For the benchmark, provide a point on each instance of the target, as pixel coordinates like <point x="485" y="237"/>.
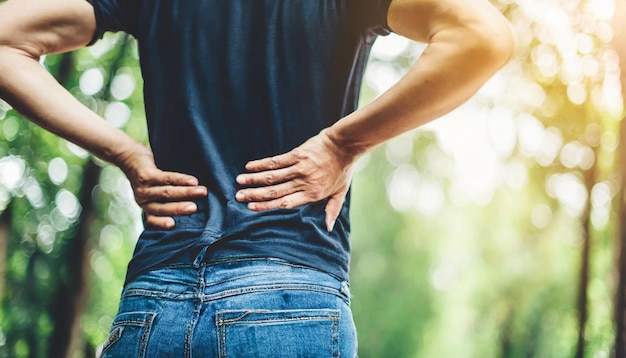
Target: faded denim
<point x="238" y="308"/>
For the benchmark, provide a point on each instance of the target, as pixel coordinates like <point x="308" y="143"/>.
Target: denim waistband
<point x="216" y="280"/>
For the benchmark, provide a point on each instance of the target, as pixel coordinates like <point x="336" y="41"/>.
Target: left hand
<point x="316" y="170"/>
<point x="161" y="194"/>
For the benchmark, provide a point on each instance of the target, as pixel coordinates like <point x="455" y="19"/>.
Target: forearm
<point x="32" y="28"/>
<point x="31" y="90"/>
<point x="456" y="63"/>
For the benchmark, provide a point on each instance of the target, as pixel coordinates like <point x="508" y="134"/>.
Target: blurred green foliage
<point x="468" y="234"/>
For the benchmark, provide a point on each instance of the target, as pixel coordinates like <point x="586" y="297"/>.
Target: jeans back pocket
<point x="278" y="333"/>
<point x="129" y="335"/>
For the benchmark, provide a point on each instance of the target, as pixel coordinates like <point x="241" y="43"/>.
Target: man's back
<point x="227" y="82"/>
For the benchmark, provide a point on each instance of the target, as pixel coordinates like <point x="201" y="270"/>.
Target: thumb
<point x="333" y="208"/>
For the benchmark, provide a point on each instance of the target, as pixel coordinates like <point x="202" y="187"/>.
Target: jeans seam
<point x="234" y="292"/>
<point x="159" y="294"/>
<point x="195" y="315"/>
<point x="264" y="288"/>
<point x="334" y="316"/>
<point x="220" y="328"/>
<point x="146" y="335"/>
<point x="336" y="336"/>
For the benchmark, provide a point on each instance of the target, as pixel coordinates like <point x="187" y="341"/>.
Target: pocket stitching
<point x="332" y="315"/>
<point x="113" y="337"/>
<point x="119" y="325"/>
<point x="316" y="315"/>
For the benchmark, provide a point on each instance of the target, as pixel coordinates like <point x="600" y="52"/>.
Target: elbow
<point x="483" y="44"/>
<point x="5" y="69"/>
<point x="495" y="43"/>
<point x="5" y="60"/>
<point x="503" y="42"/>
<point x="10" y="48"/>
<point x="11" y="59"/>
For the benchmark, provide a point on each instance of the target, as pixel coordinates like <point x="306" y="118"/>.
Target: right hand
<point x="317" y="169"/>
<point x="160" y="194"/>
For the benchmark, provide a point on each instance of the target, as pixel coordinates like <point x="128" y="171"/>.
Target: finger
<point x="269" y="177"/>
<point x="159" y="222"/>
<point x="166" y="209"/>
<point x="275" y="162"/>
<point x="266" y="193"/>
<point x="168" y="193"/>
<point x="333" y="208"/>
<point x="158" y="177"/>
<point x="285" y="202"/>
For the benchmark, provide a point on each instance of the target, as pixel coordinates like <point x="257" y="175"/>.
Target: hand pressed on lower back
<point x="314" y="171"/>
<point x="160" y="194"/>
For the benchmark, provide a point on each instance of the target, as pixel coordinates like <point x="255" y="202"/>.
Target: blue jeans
<point x="238" y="308"/>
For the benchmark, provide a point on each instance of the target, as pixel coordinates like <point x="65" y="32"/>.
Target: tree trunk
<point x="620" y="296"/>
<point x="583" y="283"/>
<point x="5" y="232"/>
<point x="619" y="44"/>
<point x="71" y="295"/>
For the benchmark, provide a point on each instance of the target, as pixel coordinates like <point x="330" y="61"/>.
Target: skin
<point x="468" y="41"/>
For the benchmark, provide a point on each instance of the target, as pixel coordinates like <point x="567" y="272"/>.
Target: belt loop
<point x="200" y="257"/>
<point x="345" y="289"/>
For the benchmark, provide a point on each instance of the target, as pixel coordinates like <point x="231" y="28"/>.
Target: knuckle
<point x="166" y="194"/>
<point x="269" y="179"/>
<point x="272" y="193"/>
<point x="285" y="204"/>
<point x="300" y="154"/>
<point x="142" y="179"/>
<point x="273" y="163"/>
<point x="140" y="194"/>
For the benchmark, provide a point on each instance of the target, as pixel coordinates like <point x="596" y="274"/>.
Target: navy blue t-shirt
<point x="229" y="81"/>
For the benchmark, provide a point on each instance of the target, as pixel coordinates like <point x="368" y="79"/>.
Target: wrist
<point x="347" y="150"/>
<point x="126" y="156"/>
<point x="348" y="146"/>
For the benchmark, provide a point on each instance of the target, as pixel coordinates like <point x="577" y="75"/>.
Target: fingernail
<point x="239" y="196"/>
<point x="170" y="224"/>
<point x="199" y="191"/>
<point x="192" y="181"/>
<point x="332" y="226"/>
<point x="191" y="208"/>
<point x="240" y="179"/>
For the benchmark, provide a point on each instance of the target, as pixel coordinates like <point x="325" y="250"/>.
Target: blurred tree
<point x="619" y="43"/>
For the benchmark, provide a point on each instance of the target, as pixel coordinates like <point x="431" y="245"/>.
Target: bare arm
<point x="468" y="41"/>
<point x="32" y="28"/>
